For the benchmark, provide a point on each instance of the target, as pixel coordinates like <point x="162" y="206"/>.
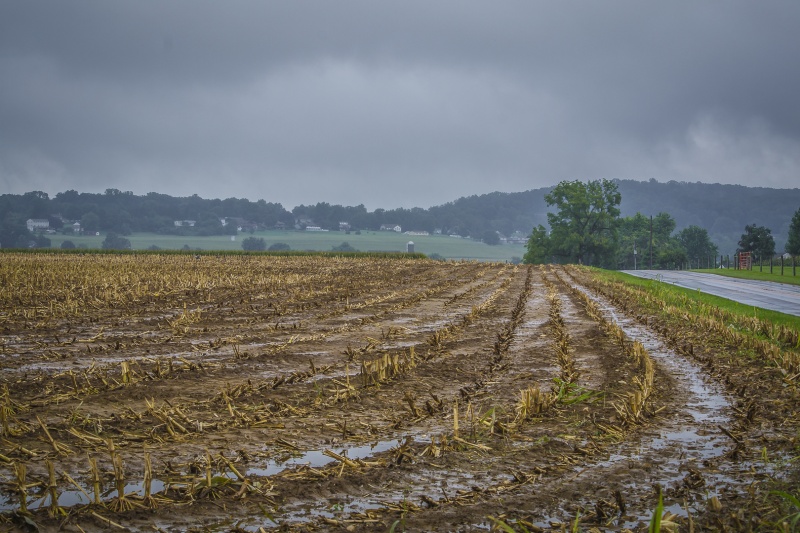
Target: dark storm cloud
<point x="413" y="103"/>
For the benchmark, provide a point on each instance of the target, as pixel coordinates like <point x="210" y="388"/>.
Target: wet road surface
<point x="765" y="294"/>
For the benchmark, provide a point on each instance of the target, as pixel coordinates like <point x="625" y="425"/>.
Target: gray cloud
<point x="409" y="104"/>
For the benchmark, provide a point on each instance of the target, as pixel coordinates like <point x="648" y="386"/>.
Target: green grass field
<point x="384" y="241"/>
<point x="671" y="294"/>
<point x="787" y="276"/>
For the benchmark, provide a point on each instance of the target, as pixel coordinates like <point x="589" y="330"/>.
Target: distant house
<point x="185" y="223"/>
<point x="241" y="224"/>
<point x="302" y="222"/>
<point x="391" y="227"/>
<point x="417" y="233"/>
<point x="37" y="224"/>
<point x="314" y="228"/>
<point x="344" y="226"/>
<point x="518" y="238"/>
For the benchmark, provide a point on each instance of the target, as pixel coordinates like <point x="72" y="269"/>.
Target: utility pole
<point x="651" y="242"/>
<point x="634" y="254"/>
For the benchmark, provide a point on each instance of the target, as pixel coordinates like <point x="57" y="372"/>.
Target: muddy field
<point x="236" y="393"/>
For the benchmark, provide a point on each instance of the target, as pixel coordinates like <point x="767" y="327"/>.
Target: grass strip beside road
<point x="679" y="296"/>
<point x="755" y="274"/>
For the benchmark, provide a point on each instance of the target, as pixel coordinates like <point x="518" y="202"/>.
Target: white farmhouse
<point x="391" y="227"/>
<point x="37" y="224"/>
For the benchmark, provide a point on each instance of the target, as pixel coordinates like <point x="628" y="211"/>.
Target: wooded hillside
<point x="723" y="210"/>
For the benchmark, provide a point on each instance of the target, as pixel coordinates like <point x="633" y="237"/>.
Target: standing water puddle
<point x="317" y="458"/>
<point x="313" y="459"/>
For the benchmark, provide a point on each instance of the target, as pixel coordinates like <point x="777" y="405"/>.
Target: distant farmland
<point x="384" y="241"/>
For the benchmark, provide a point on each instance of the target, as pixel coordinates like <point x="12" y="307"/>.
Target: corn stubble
<point x="216" y="321"/>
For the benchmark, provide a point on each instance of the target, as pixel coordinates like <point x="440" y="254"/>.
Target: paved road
<point x="766" y="294"/>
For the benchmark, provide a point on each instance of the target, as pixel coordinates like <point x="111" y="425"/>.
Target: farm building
<point x="37" y="224"/>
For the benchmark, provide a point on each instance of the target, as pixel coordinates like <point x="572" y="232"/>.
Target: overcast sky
<point x="401" y="104"/>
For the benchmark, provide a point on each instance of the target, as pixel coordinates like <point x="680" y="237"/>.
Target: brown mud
<point x="217" y="394"/>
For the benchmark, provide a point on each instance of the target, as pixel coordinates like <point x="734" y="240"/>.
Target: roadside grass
<point x="756" y="274"/>
<point x="677" y="296"/>
<point x="367" y="241"/>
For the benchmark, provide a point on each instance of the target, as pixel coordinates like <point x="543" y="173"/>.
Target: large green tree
<point x="696" y="242"/>
<point x="635" y="234"/>
<point x="758" y="240"/>
<point x="793" y="243"/>
<point x="538" y="249"/>
<point x="584" y="229"/>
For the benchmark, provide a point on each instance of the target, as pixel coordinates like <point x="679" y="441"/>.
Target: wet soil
<point x="358" y="395"/>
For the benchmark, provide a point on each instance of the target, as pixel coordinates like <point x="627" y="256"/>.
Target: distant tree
<point x="695" y="242"/>
<point x="671" y="256"/>
<point x="584" y="230"/>
<point x="154" y="248"/>
<point x="636" y="231"/>
<point x="254" y="244"/>
<point x="40" y="241"/>
<point x="208" y="224"/>
<point x="279" y="247"/>
<point x="490" y="237"/>
<point x="13" y="232"/>
<point x="116" y="219"/>
<point x="436" y="257"/>
<point x="793" y="243"/>
<point x="344" y="247"/>
<point x="758" y="240"/>
<point x="116" y="242"/>
<point x="538" y="248"/>
<point x="634" y="238"/>
<point x="67" y="245"/>
<point x="90" y="222"/>
<point x="55" y="222"/>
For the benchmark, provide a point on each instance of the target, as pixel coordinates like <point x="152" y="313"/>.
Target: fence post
<point x="781" y="264"/>
<point x="770" y="264"/>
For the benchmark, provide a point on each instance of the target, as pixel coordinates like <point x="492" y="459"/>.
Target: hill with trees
<point x="722" y="210"/>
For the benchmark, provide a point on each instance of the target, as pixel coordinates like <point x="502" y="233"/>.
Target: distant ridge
<point x="723" y="210"/>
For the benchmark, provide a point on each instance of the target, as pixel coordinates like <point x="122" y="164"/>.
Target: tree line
<point x="720" y="209"/>
<point x="586" y="228"/>
<point x="123" y="213"/>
